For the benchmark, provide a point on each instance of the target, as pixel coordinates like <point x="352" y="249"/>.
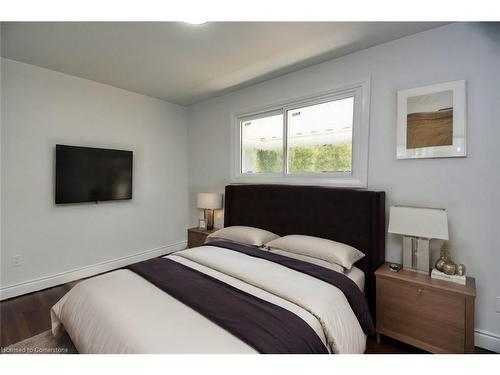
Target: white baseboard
<point x="487" y="340"/>
<point x="34" y="285"/>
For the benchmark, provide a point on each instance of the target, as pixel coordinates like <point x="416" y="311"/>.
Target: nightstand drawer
<point x="423" y="313"/>
<point x="196" y="239"/>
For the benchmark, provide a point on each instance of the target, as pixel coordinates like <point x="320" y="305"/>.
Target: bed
<point x="190" y="305"/>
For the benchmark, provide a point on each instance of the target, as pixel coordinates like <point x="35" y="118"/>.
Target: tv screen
<point x="85" y="174"/>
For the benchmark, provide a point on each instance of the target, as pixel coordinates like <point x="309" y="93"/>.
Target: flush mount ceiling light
<point x="195" y="22"/>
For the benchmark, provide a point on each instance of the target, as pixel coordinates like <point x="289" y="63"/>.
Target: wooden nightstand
<point x="434" y="315"/>
<point x="196" y="236"/>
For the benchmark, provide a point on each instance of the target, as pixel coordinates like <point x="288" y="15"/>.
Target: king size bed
<point x="230" y="297"/>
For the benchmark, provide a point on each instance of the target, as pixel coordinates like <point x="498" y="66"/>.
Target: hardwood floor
<point x="26" y="316"/>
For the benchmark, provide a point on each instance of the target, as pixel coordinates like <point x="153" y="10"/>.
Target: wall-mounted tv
<point x="85" y="174"/>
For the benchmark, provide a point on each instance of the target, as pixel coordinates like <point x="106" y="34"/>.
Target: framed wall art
<point x="431" y="121"/>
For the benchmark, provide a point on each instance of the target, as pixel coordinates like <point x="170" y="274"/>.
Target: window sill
<point x="347" y="182"/>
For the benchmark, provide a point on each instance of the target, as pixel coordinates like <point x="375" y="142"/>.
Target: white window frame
<point x="358" y="177"/>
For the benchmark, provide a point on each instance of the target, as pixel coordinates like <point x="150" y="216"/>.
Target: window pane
<point x="262" y="145"/>
<point x="320" y="137"/>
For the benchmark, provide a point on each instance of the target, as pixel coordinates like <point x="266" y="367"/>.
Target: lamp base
<point x="209" y="218"/>
<point x="416" y="254"/>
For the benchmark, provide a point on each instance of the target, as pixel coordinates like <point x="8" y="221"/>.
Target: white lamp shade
<point x="419" y="222"/>
<point x="209" y="200"/>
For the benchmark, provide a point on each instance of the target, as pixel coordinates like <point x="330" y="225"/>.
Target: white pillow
<point x="245" y="235"/>
<point x="305" y="258"/>
<point x="319" y="248"/>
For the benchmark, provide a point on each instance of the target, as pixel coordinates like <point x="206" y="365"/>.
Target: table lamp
<point x="418" y="226"/>
<point x="209" y="202"/>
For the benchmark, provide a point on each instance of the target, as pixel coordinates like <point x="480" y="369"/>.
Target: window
<point x="319" y="139"/>
<point x="262" y="144"/>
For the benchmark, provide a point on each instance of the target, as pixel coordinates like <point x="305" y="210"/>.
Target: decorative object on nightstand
<point x="446" y="269"/>
<point x="434" y="315"/>
<point x="394" y="267"/>
<point x="418" y="226"/>
<point x="197" y="236"/>
<point x="444" y="257"/>
<point x="209" y="202"/>
<point x="202" y="224"/>
<point x="459" y="279"/>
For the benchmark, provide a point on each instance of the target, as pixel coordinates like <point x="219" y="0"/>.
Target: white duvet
<point x="120" y="312"/>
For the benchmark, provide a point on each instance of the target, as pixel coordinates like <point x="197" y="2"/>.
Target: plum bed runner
<point x="266" y="327"/>
<point x="353" y="294"/>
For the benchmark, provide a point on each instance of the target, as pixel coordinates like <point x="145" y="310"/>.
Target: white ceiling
<point x="184" y="63"/>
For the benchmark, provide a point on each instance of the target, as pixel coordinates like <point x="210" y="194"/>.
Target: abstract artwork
<point x="431" y="121"/>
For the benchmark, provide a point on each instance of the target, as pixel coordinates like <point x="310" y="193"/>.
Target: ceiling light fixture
<point x="196" y="22"/>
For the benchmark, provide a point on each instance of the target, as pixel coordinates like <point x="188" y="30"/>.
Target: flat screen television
<point x="85" y="174"/>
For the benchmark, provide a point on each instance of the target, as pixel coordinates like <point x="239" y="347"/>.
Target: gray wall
<point x="41" y="108"/>
<point x="468" y="188"/>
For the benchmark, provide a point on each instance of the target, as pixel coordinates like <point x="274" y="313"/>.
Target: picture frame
<point x="431" y="121"/>
<point x="202" y="224"/>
